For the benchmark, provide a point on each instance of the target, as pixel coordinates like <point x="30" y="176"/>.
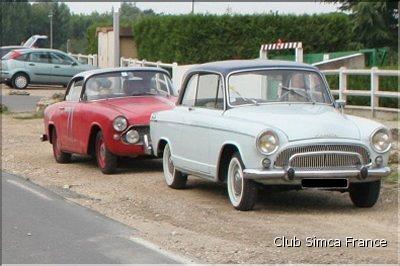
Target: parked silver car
<point x="19" y="68"/>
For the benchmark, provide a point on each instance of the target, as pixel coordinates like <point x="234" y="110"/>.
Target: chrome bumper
<point x="292" y="174"/>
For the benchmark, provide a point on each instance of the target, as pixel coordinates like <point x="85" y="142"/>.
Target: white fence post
<point x="95" y="62"/>
<point x="342" y="84"/>
<point x="374" y="90"/>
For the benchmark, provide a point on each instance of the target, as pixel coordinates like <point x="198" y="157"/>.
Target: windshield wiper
<point x="244" y="98"/>
<point x="289" y="90"/>
<point x="143" y="93"/>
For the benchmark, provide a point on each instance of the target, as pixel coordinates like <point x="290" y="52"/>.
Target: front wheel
<point x="365" y="194"/>
<point x="242" y="192"/>
<point x="106" y="161"/>
<point x="174" y="178"/>
<point x="59" y="155"/>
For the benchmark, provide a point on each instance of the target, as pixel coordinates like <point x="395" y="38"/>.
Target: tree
<point x="375" y="22"/>
<point x="14" y="21"/>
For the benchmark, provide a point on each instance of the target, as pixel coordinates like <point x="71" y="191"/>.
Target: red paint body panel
<point x="75" y="120"/>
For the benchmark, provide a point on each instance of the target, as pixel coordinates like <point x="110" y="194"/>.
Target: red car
<point x="106" y="114"/>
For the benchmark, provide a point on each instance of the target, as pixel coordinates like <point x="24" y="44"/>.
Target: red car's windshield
<point x="128" y="83"/>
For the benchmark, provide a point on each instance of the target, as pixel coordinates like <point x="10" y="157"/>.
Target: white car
<point x="252" y="122"/>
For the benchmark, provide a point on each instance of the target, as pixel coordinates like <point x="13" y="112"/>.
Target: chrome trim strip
<point x="206" y="127"/>
<point x="331" y="173"/>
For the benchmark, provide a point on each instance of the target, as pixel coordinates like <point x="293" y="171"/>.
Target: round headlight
<point x="120" y="123"/>
<point x="381" y="141"/>
<point x="267" y="142"/>
<point x="132" y="136"/>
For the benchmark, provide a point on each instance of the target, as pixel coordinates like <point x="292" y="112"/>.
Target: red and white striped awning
<point x="281" y="46"/>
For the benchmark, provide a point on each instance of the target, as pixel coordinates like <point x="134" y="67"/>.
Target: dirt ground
<point x="199" y="222"/>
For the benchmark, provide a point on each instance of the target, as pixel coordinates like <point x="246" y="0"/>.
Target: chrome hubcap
<point x="21" y="81"/>
<point x="170" y="165"/>
<point x="235" y="182"/>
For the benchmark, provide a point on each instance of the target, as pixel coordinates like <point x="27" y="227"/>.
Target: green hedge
<point x="202" y="38"/>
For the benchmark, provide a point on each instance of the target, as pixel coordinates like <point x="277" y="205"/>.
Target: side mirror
<point x="340" y="104"/>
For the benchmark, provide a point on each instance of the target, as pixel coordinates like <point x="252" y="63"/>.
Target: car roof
<point x="89" y="73"/>
<point x="228" y="66"/>
<point x="12" y="47"/>
<point x="28" y="49"/>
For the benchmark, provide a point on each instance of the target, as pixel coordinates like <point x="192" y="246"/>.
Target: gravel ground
<point x="199" y="222"/>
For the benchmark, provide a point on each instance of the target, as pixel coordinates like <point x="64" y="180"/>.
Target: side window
<point x="190" y="91"/>
<point x="210" y="92"/>
<point x="40" y="57"/>
<point x="75" y="90"/>
<point x="57" y="58"/>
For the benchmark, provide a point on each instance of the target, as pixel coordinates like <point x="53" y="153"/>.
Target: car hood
<point x="300" y="121"/>
<point x="139" y="109"/>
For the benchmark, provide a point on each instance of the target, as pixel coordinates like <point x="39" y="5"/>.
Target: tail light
<point x="14" y="55"/>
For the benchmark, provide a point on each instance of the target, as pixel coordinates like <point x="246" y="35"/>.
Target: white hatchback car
<point x="251" y="122"/>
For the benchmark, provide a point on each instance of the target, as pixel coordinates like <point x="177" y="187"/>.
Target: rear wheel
<point x="173" y="178"/>
<point x="106" y="161"/>
<point x="20" y="81"/>
<point x="59" y="155"/>
<point x="242" y="192"/>
<point x="365" y="194"/>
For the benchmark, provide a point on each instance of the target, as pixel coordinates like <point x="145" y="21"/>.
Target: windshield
<point x="128" y="83"/>
<point x="264" y="86"/>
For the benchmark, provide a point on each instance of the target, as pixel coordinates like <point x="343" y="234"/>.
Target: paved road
<point x="20" y="103"/>
<point x="38" y="226"/>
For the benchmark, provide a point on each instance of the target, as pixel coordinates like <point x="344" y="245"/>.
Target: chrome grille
<point x="325" y="160"/>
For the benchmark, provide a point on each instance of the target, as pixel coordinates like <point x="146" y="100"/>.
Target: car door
<point x="67" y="114"/>
<point x="64" y="68"/>
<point x="39" y="67"/>
<point x="201" y="123"/>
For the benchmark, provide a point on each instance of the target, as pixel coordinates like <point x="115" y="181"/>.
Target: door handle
<point x="31" y="64"/>
<point x="61" y="108"/>
<point x="56" y="66"/>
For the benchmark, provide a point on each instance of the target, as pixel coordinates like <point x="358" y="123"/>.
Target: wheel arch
<point x="21" y="72"/>
<point x="160" y="146"/>
<point x="226" y="152"/>
<point x="91" y="140"/>
<point x="51" y="128"/>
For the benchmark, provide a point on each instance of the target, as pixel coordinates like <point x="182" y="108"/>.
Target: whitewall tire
<point x="174" y="178"/>
<point x="242" y="192"/>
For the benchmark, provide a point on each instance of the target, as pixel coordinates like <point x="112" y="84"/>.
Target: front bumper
<point x="5" y="76"/>
<point x="274" y="175"/>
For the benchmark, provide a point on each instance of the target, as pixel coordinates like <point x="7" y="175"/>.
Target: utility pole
<point x="68" y="44"/>
<point x="192" y="6"/>
<point x="51" y="29"/>
<point x="116" y="38"/>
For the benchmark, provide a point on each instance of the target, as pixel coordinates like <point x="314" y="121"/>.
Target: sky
<point x="213" y="8"/>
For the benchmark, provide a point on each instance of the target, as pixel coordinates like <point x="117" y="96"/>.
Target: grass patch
<point x="394" y="175"/>
<point x="26" y="116"/>
<point x="3" y="109"/>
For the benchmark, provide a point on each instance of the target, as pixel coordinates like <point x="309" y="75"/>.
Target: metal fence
<point x="373" y="92"/>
